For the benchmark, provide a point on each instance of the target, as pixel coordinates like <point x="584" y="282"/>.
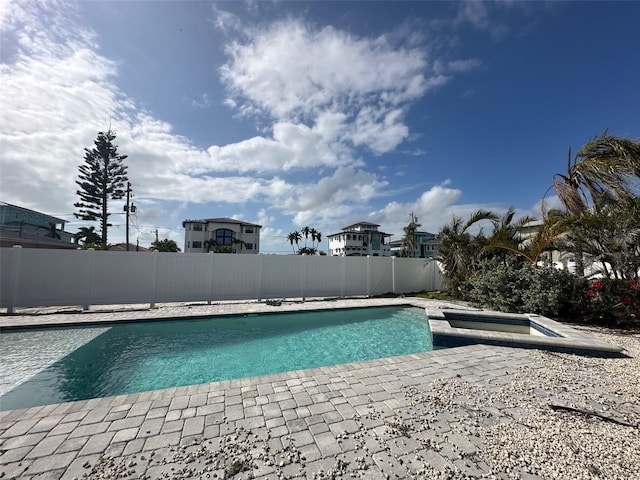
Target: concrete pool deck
<point x="415" y="416"/>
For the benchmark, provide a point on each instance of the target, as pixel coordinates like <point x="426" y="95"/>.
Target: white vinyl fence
<point x="41" y="277"/>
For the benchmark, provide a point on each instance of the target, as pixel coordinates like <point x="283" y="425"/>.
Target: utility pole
<point x="126" y="209"/>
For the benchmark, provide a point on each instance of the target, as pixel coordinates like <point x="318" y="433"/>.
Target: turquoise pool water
<point x="135" y="357"/>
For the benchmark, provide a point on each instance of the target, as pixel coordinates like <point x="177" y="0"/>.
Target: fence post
<point x="16" y="262"/>
<point x="260" y="277"/>
<point x="368" y="276"/>
<point x="303" y="283"/>
<point x="210" y="279"/>
<point x="154" y="278"/>
<point x="90" y="253"/>
<point x="393" y="274"/>
<point x="343" y="276"/>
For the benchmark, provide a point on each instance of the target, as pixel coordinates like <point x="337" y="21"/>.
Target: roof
<point x="5" y="204"/>
<point x="221" y="220"/>
<point x="122" y="247"/>
<point x="360" y="232"/>
<point x="360" y="223"/>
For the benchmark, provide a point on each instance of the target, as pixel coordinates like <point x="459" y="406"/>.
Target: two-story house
<point x="32" y="229"/>
<point x="360" y="239"/>
<point x="426" y="246"/>
<point x="221" y="235"/>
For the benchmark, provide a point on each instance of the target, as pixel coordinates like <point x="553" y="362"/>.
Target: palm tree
<point x="306" y="231"/>
<point x="89" y="235"/>
<point x="609" y="235"/>
<point x="460" y="251"/>
<point x="210" y="244"/>
<point x="294" y="237"/>
<point x="315" y="236"/>
<point x="510" y="236"/>
<point x="409" y="241"/>
<point x="165" y="245"/>
<point x="607" y="168"/>
<point x="53" y="231"/>
<point x="235" y="242"/>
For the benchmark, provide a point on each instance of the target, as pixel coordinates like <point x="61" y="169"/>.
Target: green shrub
<point x="497" y="286"/>
<point x="523" y="288"/>
<point x="554" y="293"/>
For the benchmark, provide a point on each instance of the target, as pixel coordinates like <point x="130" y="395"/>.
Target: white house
<point x="222" y="235"/>
<point x="360" y="239"/>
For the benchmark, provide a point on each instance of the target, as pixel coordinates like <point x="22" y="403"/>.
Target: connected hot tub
<point x="451" y="328"/>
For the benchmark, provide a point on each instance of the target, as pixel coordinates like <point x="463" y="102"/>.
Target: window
<point x="248" y="246"/>
<point x="197" y="227"/>
<point x="248" y="229"/>
<point x="197" y="244"/>
<point x="224" y="236"/>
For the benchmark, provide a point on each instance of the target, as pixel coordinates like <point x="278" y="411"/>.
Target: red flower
<point x="633" y="284"/>
<point x="597" y="285"/>
<point x="591" y="293"/>
<point x="626" y="301"/>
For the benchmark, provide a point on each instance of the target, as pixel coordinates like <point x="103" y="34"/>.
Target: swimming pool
<point x="91" y="362"/>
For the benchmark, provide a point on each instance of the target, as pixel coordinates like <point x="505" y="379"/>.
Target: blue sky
<point x="324" y="114"/>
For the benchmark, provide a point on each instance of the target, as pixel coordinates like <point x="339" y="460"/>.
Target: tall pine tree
<point x="103" y="177"/>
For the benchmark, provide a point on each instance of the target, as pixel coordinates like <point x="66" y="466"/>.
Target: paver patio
<point x="366" y="419"/>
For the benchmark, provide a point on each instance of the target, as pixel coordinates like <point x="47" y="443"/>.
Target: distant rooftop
<point x="221" y="220"/>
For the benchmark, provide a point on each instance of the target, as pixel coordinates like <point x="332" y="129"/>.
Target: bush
<point x="523" y="288"/>
<point x="613" y="302"/>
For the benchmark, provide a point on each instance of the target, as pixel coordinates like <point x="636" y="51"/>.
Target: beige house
<point x="221" y="235"/>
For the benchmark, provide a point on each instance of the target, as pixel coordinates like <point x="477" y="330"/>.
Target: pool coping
<point x="567" y="339"/>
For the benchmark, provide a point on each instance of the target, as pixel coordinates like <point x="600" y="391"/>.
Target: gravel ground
<point x="594" y="433"/>
<point x="561" y="417"/>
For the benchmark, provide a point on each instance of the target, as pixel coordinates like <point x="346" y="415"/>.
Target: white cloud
<point x="295" y="73"/>
<point x="437" y="206"/>
<point x="330" y="199"/>
<point x="326" y="92"/>
<point x="481" y="15"/>
<point x="463" y="65"/>
<point x="203" y="101"/>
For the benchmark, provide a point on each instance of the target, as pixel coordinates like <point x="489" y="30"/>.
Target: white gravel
<point x="532" y="440"/>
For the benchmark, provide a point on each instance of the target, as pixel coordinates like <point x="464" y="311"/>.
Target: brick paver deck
<point x="359" y="419"/>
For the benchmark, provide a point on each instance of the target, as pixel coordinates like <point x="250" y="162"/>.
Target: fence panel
<point x="281" y="276"/>
<point x="234" y="276"/>
<point x="381" y="275"/>
<point x="39" y="277"/>
<point x="183" y="278"/>
<point x="45" y="277"/>
<point x="355" y="272"/>
<point x="122" y="277"/>
<point x="417" y="275"/>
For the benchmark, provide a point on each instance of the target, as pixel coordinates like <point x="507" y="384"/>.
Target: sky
<point x="324" y="114"/>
